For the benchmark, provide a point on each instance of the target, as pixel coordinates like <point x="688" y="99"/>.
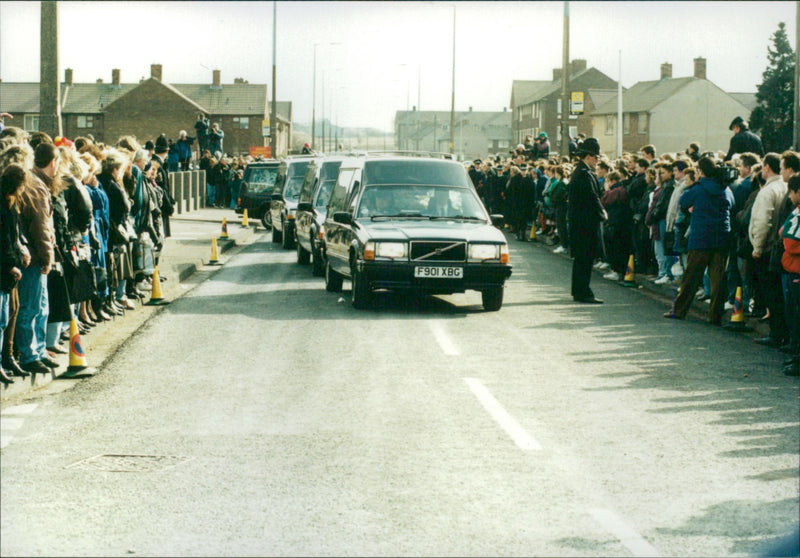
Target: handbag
<point x="81" y="281"/>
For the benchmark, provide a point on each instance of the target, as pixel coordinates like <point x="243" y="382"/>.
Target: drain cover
<point x="117" y="463"/>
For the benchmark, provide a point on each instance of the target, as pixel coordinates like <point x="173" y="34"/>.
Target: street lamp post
<point x="273" y="117"/>
<point x="314" y="95"/>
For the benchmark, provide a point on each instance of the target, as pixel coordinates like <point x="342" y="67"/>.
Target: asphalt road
<point x="261" y="415"/>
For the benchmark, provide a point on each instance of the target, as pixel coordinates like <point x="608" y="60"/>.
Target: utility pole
<point x="419" y="95"/>
<point x="49" y="88"/>
<point x="453" y="88"/>
<point x="273" y="112"/>
<point x="565" y="84"/>
<point x="314" y="101"/>
<point x="619" y="108"/>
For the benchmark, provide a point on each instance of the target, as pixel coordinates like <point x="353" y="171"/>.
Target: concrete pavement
<point x="183" y="263"/>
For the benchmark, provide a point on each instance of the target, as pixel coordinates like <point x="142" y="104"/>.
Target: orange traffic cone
<point x="533" y="231"/>
<point x="77" y="357"/>
<point x="629" y="276"/>
<point x="156" y="298"/>
<point x="224" y="233"/>
<point x="245" y="223"/>
<point x="737" y="322"/>
<point x="214" y="257"/>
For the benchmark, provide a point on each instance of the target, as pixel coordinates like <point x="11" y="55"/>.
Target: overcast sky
<point x="384" y="46"/>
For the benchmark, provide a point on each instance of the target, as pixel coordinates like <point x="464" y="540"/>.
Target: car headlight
<point x="488" y="252"/>
<point x="385" y="250"/>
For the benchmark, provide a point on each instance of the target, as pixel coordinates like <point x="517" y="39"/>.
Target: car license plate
<point x="438" y="272"/>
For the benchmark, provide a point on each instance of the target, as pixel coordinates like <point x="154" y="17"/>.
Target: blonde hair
<point x="21" y="154"/>
<point x="71" y="163"/>
<point x="92" y="166"/>
<point x="114" y="159"/>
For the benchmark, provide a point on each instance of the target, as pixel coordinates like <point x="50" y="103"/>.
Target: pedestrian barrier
<point x="188" y="189"/>
<point x="244" y="219"/>
<point x="156" y="297"/>
<point x="630" y="280"/>
<point x="737" y="322"/>
<point x="214" y="256"/>
<point x="224" y="233"/>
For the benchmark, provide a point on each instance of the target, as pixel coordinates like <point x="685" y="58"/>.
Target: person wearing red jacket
<point x="790" y="261"/>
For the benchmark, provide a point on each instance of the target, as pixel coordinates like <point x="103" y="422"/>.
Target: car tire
<point x="266" y="218"/>
<point x="317" y="264"/>
<point x="303" y="256"/>
<point x="333" y="281"/>
<point x="492" y="299"/>
<point x="287" y="242"/>
<point x="361" y="294"/>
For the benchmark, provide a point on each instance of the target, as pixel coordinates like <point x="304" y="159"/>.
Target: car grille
<point x="439" y="251"/>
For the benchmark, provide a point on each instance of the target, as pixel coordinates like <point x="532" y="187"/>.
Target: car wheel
<point x="317" y="264"/>
<point x="287" y="242"/>
<point x="277" y="235"/>
<point x="303" y="256"/>
<point x="492" y="299"/>
<point x="361" y="294"/>
<point x="266" y="219"/>
<point x="333" y="281"/>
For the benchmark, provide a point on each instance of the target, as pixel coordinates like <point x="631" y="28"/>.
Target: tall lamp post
<point x="273" y="116"/>
<point x="314" y="95"/>
<point x="453" y="88"/>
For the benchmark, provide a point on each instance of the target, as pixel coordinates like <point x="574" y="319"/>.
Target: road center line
<point x="615" y="525"/>
<point x="443" y="338"/>
<point x="508" y="423"/>
<point x="20" y="409"/>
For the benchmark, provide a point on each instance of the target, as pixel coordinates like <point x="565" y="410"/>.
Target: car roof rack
<point x="396" y="152"/>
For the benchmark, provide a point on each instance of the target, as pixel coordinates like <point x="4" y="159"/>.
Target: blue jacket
<point x="711" y="204"/>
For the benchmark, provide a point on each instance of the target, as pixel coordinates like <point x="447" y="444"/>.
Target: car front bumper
<point x="399" y="276"/>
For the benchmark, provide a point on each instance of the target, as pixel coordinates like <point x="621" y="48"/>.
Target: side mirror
<point x="498" y="220"/>
<point x="304" y="206"/>
<point x="343" y="217"/>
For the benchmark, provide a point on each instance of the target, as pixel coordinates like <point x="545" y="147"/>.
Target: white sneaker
<point x="662" y="281"/>
<point x="677" y="269"/>
<point x="612" y="276"/>
<point x="603" y="266"/>
<point x="728" y="306"/>
<point x="559" y="250"/>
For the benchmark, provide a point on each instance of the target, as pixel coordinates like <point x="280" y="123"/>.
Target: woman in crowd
<point x="15" y="255"/>
<point x="617" y="232"/>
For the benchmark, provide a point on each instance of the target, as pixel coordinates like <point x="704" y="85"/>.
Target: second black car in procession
<point x="413" y="224"/>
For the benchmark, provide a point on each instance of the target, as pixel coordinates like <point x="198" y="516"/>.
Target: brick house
<point x="670" y="113"/>
<point x="151" y="107"/>
<point x="536" y="105"/>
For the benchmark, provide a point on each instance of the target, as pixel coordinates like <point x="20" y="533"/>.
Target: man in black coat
<point x="743" y="140"/>
<point x="162" y="179"/>
<point x="586" y="213"/>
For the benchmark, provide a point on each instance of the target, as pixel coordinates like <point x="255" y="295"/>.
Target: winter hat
<point x="161" y="144"/>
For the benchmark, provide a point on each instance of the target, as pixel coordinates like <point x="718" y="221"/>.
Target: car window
<point x="261" y="179"/>
<point x="415" y="172"/>
<point x="309" y="183"/>
<point x="340" y="191"/>
<point x="292" y="189"/>
<point x="421" y="201"/>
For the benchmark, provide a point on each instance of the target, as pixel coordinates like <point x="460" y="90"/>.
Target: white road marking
<point x="5" y="440"/>
<point x="508" y="423"/>
<point x="20" y="409"/>
<point x="11" y="423"/>
<point x="615" y="525"/>
<point x="443" y="338"/>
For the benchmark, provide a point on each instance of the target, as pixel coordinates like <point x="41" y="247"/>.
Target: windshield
<point x="262" y="179"/>
<point x="298" y="169"/>
<point x="432" y="202"/>
<point x="324" y="194"/>
<point x="415" y="172"/>
<point x="293" y="185"/>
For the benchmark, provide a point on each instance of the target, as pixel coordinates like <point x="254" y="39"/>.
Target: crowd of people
<point x="83" y="226"/>
<point x="707" y="223"/>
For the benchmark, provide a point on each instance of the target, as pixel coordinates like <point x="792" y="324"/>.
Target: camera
<point x="727" y="174"/>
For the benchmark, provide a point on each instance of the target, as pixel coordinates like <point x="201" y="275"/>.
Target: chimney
<point x="155" y="71"/>
<point x="577" y="65"/>
<point x="700" y="67"/>
<point x="216" y="81"/>
<point x="470" y="109"/>
<point x="556" y="74"/>
<point x="68" y="76"/>
<point x="115" y="77"/>
<point x="666" y="70"/>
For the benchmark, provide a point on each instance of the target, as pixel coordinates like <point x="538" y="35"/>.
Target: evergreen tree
<point x="773" y="118"/>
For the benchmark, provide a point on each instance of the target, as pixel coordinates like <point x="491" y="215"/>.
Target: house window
<point x="241" y="122"/>
<point x="31" y="123"/>
<point x="558" y="106"/>
<point x="626" y="123"/>
<point x="502" y="144"/>
<point x="642" y="122"/>
<point x="85" y="121"/>
<point x="609" y="124"/>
